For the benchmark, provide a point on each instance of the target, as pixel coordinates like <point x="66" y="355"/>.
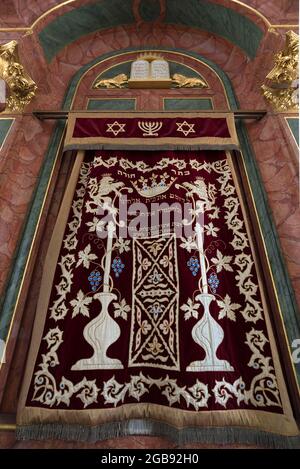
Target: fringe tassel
<point x="109" y="146"/>
<point x="208" y="435"/>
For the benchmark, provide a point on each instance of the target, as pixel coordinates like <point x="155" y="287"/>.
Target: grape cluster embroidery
<point x="193" y="265"/>
<point x="117" y="266"/>
<point x="94" y="279"/>
<point x="213" y="282"/>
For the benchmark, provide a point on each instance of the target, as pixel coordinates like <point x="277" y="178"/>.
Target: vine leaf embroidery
<point x="228" y="308"/>
<point x="95" y="225"/>
<point x="121" y="309"/>
<point x="80" y="304"/>
<point x="222" y="262"/>
<point x="190" y="309"/>
<point x="211" y="230"/>
<point x="122" y="245"/>
<point x="85" y="257"/>
<point x="189" y="244"/>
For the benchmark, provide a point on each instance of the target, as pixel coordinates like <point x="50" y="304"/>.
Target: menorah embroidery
<point x="149" y="128"/>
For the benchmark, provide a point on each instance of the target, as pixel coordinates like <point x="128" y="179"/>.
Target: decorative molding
<point x="188" y="103"/>
<point x="22" y="87"/>
<point x="111" y="104"/>
<point x="283" y="92"/>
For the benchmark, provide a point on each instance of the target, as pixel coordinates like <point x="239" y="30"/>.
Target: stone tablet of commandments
<point x="150" y="72"/>
<point x="140" y="69"/>
<point x="160" y="70"/>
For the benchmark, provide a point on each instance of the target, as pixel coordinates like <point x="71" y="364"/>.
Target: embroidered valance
<point x="148" y="131"/>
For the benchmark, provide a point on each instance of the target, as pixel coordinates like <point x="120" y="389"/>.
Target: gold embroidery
<point x="155" y="303"/>
<point x="196" y="396"/>
<point x="152" y="187"/>
<point x="115" y="128"/>
<point x="185" y="128"/>
<point x="150" y="129"/>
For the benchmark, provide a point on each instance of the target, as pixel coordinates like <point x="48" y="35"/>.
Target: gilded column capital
<point x="21" y="87"/>
<point x="282" y="82"/>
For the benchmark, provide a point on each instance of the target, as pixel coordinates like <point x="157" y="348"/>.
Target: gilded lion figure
<point x="119" y="81"/>
<point x="181" y="81"/>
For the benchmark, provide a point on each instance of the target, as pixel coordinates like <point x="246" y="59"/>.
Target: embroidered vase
<point x="209" y="335"/>
<point x="101" y="333"/>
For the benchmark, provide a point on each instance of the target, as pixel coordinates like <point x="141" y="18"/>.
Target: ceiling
<point x="24" y="13"/>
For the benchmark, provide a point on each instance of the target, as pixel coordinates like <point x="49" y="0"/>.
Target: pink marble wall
<point x="22" y="155"/>
<point x="276" y="155"/>
<point x="23" y="13"/>
<point x="278" y="12"/>
<point x="20" y="162"/>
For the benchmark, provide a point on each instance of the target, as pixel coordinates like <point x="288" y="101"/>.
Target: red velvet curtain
<point x="155" y="286"/>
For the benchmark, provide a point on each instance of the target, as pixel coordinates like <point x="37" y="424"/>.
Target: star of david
<point x="115" y="128"/>
<point x="185" y="128"/>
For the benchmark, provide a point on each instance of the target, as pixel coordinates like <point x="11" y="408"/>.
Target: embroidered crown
<point x="154" y="185"/>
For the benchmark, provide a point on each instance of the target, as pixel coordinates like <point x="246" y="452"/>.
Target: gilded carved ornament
<point x="21" y="87"/>
<point x="181" y="81"/>
<point x="119" y="81"/>
<point x="150" y="70"/>
<point x="283" y="88"/>
<point x="178" y="81"/>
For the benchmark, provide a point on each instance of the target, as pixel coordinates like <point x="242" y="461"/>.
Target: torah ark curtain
<point x="148" y="320"/>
